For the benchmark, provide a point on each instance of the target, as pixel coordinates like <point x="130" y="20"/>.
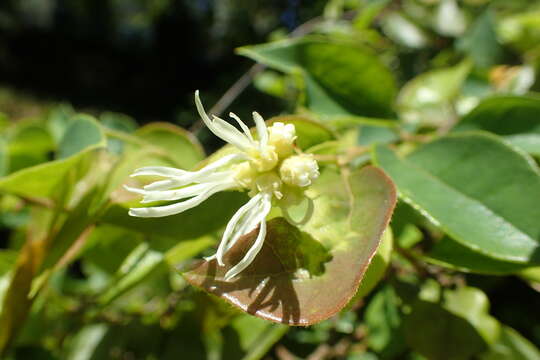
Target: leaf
<point x="481" y="43"/>
<point x="511" y="345"/>
<point x="340" y="78"/>
<point x="329" y="254"/>
<point x="309" y="133"/>
<point x="29" y="144"/>
<point x="384" y="323"/>
<point x="255" y="337"/>
<point x="41" y="181"/>
<point x="4" y="158"/>
<point x="377" y="266"/>
<point x="514" y="117"/>
<point x="438" y="334"/>
<point x="428" y="97"/>
<point x="451" y="254"/>
<point x="473" y="305"/>
<point x="477" y="189"/>
<point x="179" y="144"/>
<point x="83" y="132"/>
<point x="7" y="260"/>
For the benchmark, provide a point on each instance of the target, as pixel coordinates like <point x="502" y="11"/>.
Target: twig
<point x="243" y="82"/>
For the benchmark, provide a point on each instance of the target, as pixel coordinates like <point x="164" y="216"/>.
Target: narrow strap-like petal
<point x="159" y="171"/>
<point x="177" y="208"/>
<point x="232" y="225"/>
<point x="195" y="176"/>
<point x="257" y="245"/>
<point x="177" y="194"/>
<point x="261" y="129"/>
<point x="221" y="128"/>
<point x="243" y="126"/>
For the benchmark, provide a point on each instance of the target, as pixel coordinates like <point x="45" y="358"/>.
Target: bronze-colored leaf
<point x="308" y="273"/>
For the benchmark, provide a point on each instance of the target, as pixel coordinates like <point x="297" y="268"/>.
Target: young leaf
<point x="290" y="278"/>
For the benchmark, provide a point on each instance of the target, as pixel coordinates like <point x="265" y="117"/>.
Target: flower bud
<point x="299" y="170"/>
<point x="282" y="137"/>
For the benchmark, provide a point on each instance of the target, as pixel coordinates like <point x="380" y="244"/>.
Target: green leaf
<point x="428" y="97"/>
<point x="42" y="181"/>
<point x="340" y="78"/>
<point x="438" y="334"/>
<point x="255" y="337"/>
<point x="481" y="42"/>
<point x="182" y="147"/>
<point x="511" y="345"/>
<point x="451" y="254"/>
<point x="4" y="158"/>
<point x="514" y="117"/>
<point x="383" y="320"/>
<point x="7" y="260"/>
<point x="477" y="189"/>
<point x="309" y="133"/>
<point x="473" y="305"/>
<point x="29" y="144"/>
<point x="295" y="265"/>
<point x="82" y="133"/>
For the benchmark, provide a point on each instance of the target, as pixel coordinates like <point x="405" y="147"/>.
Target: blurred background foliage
<point x="91" y="89"/>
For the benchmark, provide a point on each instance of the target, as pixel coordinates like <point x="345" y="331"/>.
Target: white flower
<point x="260" y="166"/>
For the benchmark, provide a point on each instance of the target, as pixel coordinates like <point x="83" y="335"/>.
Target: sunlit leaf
<point x="340" y="78"/>
<point x="179" y="144"/>
<point x="297" y="265"/>
<point x="83" y="132"/>
<point x="477" y="189"/>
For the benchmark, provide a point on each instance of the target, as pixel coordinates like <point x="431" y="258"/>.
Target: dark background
<point x="142" y="58"/>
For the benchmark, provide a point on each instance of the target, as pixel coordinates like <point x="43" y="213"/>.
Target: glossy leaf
<point x="309" y="133"/>
<point x="477" y="189"/>
<point x="472" y="304"/>
<point x="28" y="144"/>
<point x="180" y="145"/>
<point x="384" y="323"/>
<point x="451" y="254"/>
<point x="41" y="181"/>
<point x="296" y="265"/>
<point x="438" y="334"/>
<point x="83" y="132"/>
<point x="428" y="97"/>
<point x="514" y="117"/>
<point x="340" y="78"/>
<point x="511" y="345"/>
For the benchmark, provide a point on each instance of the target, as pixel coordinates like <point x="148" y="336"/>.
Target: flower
<point x="267" y="167"/>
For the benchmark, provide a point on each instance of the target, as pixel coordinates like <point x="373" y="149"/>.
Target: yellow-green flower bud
<point x="282" y="137"/>
<point x="299" y="170"/>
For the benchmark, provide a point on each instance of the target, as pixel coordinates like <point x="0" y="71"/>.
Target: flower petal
<point x="189" y="177"/>
<point x="233" y="224"/>
<point x="221" y="128"/>
<point x="243" y="126"/>
<point x="177" y="208"/>
<point x="257" y="245"/>
<point x="261" y="129"/>
<point x="254" y="250"/>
